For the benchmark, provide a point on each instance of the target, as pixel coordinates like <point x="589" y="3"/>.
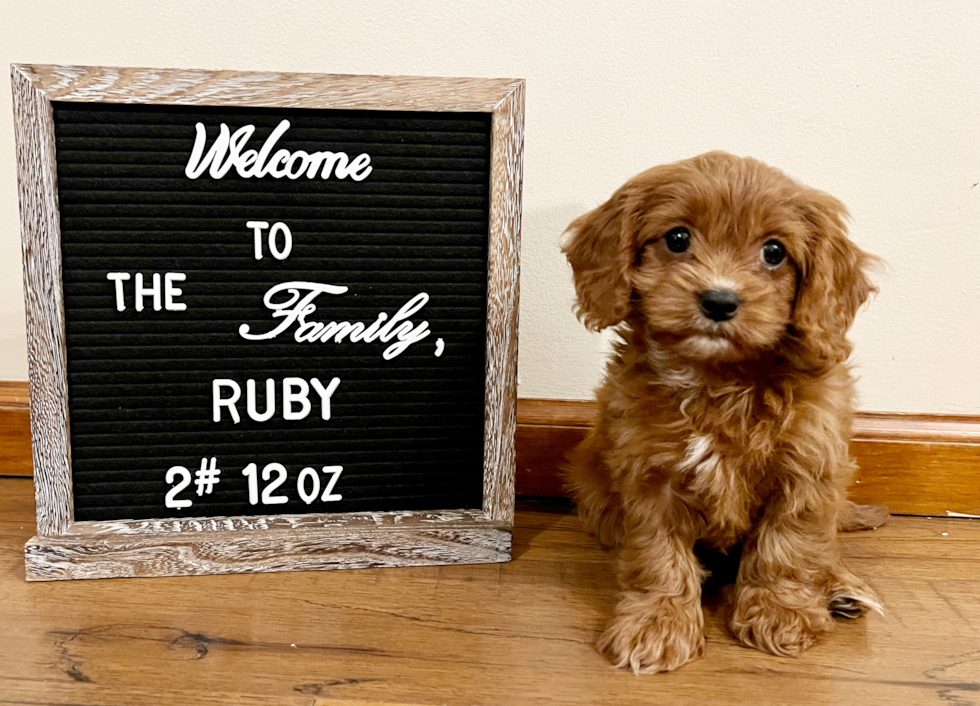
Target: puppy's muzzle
<point x="719" y="304"/>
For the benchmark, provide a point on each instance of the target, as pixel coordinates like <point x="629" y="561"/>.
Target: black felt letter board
<point x="407" y="432"/>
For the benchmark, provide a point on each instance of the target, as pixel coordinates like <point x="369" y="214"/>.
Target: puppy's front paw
<point x="653" y="634"/>
<point x="781" y="624"/>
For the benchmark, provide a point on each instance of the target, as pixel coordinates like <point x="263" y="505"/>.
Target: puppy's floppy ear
<point x="833" y="282"/>
<point x="598" y="246"/>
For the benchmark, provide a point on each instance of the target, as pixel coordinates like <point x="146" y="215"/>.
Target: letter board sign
<point x="266" y="308"/>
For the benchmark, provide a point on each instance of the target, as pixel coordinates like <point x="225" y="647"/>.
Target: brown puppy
<point x="726" y="409"/>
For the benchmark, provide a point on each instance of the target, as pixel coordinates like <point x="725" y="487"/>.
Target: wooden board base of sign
<point x="234" y="552"/>
<point x="238" y="545"/>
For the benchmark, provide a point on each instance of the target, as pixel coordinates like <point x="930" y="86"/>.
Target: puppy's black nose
<point x="719" y="304"/>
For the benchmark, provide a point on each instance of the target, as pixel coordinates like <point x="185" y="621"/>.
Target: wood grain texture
<point x="266" y="89"/>
<point x="915" y="464"/>
<point x="15" y="429"/>
<point x="520" y="633"/>
<point x="15" y="396"/>
<point x="570" y="413"/>
<point x="918" y="478"/>
<point x="44" y="303"/>
<point x="930" y="428"/>
<point x="258" y="523"/>
<point x="237" y="552"/>
<point x="503" y="295"/>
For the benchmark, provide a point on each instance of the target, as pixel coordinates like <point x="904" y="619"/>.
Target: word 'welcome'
<point x="228" y="150"/>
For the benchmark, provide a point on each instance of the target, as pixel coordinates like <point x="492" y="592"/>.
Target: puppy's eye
<point x="773" y="253"/>
<point x="678" y="239"/>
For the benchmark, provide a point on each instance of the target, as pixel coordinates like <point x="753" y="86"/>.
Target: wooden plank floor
<point x="518" y="633"/>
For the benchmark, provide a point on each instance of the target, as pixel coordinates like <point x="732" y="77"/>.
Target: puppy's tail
<point x="854" y="517"/>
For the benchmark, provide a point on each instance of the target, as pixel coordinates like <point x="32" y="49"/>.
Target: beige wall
<point x="876" y="102"/>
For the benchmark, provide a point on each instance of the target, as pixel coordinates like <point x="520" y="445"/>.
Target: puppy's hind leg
<point x="850" y="597"/>
<point x="854" y="517"/>
<point x="599" y="507"/>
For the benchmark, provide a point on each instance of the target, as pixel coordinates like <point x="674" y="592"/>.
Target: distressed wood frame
<point x="65" y="549"/>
